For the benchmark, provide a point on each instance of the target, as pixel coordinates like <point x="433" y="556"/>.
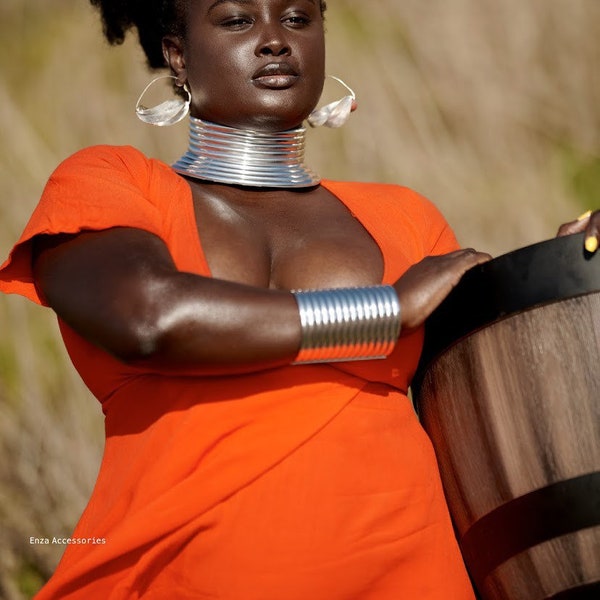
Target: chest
<point x="284" y="239"/>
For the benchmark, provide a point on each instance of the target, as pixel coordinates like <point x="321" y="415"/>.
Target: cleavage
<point x="283" y="239"/>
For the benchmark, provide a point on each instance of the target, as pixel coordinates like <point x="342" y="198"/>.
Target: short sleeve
<point x="95" y="189"/>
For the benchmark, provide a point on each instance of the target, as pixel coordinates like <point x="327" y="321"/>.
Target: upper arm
<point x="102" y="283"/>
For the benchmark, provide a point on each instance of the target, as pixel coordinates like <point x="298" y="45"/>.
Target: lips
<point x="275" y="76"/>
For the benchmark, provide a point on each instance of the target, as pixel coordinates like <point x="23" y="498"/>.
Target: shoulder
<point x="398" y="210"/>
<point x="399" y="199"/>
<point x="386" y="192"/>
<point x="106" y="175"/>
<point x="106" y="186"/>
<point x="104" y="158"/>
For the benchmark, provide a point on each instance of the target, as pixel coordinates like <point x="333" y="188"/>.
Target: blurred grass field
<point x="490" y="108"/>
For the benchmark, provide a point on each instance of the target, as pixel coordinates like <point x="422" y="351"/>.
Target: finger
<point x="475" y="256"/>
<point x="464" y="252"/>
<point x="576" y="226"/>
<point x="592" y="232"/>
<point x="463" y="261"/>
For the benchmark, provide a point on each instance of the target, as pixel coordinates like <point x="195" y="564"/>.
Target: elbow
<point x="154" y="337"/>
<point x="131" y="342"/>
<point x="143" y="345"/>
<point x="144" y="325"/>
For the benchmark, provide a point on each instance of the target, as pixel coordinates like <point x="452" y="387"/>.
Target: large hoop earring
<point x="168" y="112"/>
<point x="334" y="114"/>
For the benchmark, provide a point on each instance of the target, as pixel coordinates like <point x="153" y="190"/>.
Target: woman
<point x="235" y="465"/>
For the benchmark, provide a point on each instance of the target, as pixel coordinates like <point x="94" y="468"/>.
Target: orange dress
<point x="312" y="482"/>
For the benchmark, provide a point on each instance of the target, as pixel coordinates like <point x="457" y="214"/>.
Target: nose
<point x="272" y="42"/>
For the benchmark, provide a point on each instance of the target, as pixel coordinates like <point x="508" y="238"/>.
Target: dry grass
<point x="490" y="108"/>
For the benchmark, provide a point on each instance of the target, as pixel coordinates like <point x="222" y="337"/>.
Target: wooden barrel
<point x="509" y="392"/>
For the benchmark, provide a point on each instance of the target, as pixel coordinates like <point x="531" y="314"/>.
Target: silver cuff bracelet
<point x="348" y="323"/>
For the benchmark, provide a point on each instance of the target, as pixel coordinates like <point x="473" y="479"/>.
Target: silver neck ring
<point x="247" y="158"/>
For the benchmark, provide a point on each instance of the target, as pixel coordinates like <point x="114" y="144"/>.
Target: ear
<point x="173" y="52"/>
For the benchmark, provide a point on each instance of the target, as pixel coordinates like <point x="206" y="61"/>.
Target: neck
<point x="248" y="158"/>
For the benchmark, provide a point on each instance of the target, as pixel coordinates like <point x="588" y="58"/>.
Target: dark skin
<point x="120" y="289"/>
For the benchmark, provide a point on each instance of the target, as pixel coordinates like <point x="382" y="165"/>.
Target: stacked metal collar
<point x="248" y="158"/>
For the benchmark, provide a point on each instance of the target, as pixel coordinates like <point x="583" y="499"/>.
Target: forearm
<point x="213" y="326"/>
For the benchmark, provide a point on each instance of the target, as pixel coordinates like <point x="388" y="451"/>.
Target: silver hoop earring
<point x="334" y="114"/>
<point x="168" y="112"/>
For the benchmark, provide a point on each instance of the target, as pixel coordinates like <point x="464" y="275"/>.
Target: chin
<point x="280" y="112"/>
<point x="269" y="112"/>
<point x="266" y="120"/>
<point x="272" y="123"/>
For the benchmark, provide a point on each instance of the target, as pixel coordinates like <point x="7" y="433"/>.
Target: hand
<point x="588" y="222"/>
<point x="423" y="287"/>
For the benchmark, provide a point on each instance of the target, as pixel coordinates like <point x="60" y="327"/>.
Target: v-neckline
<point x="351" y="205"/>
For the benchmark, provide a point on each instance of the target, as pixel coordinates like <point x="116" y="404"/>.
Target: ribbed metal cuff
<point x="347" y="323"/>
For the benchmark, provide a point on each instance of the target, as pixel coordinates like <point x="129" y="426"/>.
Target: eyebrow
<point x="243" y="2"/>
<point x="218" y="2"/>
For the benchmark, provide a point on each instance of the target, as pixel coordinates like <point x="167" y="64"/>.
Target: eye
<point x="236" y="23"/>
<point x="297" y="21"/>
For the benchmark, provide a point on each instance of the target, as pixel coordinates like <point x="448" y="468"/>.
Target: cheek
<point x="315" y="64"/>
<point x="216" y="73"/>
<point x="221" y="67"/>
<point x="314" y="55"/>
